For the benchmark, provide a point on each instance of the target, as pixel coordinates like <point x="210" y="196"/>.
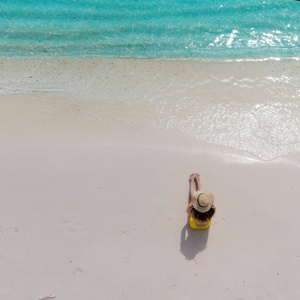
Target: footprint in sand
<point x="71" y="227"/>
<point x="15" y="229"/>
<point x="123" y="232"/>
<point x="78" y="271"/>
<point x="12" y="229"/>
<point x="48" y="297"/>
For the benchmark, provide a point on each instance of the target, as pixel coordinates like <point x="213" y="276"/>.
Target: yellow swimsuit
<point x="194" y="226"/>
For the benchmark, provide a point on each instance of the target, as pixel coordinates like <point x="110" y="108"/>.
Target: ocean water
<point x="154" y="28"/>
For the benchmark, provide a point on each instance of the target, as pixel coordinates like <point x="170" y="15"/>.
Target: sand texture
<point x="93" y="207"/>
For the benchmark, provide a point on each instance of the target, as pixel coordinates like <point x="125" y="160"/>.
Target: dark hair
<point x="203" y="217"/>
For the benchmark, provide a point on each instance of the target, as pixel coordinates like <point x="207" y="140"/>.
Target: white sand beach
<point x="93" y="188"/>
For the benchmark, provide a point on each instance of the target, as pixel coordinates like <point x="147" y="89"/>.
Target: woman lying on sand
<point x="201" y="208"/>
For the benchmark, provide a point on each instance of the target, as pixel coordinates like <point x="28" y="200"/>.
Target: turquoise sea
<point x="139" y="28"/>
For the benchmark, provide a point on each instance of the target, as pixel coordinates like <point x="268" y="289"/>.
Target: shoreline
<point x="199" y="59"/>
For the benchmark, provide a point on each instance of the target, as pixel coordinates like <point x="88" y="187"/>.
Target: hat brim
<point x="208" y="197"/>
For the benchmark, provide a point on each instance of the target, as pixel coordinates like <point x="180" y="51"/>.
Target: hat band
<point x="198" y="201"/>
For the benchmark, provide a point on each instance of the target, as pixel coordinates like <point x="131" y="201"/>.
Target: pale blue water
<point x="127" y="28"/>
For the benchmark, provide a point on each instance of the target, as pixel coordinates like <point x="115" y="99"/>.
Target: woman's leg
<point x="192" y="185"/>
<point x="197" y="182"/>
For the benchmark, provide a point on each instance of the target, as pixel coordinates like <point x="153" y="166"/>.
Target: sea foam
<point x="249" y="107"/>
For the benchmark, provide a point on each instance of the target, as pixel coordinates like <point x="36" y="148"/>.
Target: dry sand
<point x="102" y="216"/>
<point x="92" y="207"/>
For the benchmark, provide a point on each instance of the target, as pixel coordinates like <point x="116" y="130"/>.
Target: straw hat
<point x="202" y="201"/>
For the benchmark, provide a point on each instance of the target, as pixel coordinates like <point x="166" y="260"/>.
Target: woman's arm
<point x="188" y="209"/>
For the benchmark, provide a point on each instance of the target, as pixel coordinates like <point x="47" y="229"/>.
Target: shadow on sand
<point x="192" y="241"/>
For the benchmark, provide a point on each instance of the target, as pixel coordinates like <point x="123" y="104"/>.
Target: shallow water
<point x="126" y="28"/>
